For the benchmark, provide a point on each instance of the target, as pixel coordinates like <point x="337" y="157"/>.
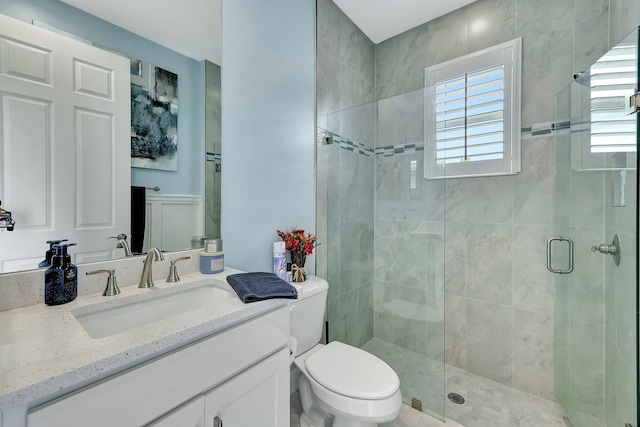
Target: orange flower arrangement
<point x="297" y="241"/>
<point x="299" y="244"/>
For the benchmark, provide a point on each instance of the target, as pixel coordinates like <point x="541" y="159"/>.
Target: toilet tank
<point x="307" y="313"/>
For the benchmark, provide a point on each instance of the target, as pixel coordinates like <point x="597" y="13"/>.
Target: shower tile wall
<point x="346" y="179"/>
<point x="620" y="355"/>
<point x="345" y="72"/>
<point x="213" y="140"/>
<point x="620" y="333"/>
<point x="345" y="79"/>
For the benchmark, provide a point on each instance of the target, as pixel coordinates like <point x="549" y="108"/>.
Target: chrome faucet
<point x="146" y="280"/>
<point x="122" y="244"/>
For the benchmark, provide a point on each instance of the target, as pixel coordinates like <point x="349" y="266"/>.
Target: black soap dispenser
<point x="61" y="279"/>
<point x="46" y="262"/>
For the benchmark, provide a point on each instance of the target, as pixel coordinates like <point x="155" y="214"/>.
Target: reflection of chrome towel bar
<point x="153" y="188"/>
<point x="5" y="219"/>
<point x="216" y="159"/>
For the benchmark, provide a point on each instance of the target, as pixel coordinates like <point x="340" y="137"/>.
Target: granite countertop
<point x="45" y="352"/>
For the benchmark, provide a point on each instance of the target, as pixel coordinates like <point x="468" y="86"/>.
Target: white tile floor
<point x="487" y="403"/>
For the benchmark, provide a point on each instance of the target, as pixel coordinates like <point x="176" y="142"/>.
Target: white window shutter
<point x="613" y="80"/>
<point x="473" y="114"/>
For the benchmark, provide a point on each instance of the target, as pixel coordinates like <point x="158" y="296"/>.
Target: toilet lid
<point x="352" y="372"/>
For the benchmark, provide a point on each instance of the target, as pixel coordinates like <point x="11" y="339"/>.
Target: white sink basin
<point x="113" y="320"/>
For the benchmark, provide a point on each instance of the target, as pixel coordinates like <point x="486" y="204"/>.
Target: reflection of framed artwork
<point x="154" y="117"/>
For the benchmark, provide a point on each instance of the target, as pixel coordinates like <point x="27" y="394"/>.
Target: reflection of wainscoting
<point x="172" y="220"/>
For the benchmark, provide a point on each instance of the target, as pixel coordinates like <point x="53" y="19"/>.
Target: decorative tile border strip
<point x="561" y="126"/>
<point x="392" y="150"/>
<point x="346" y="144"/>
<point x="545" y="129"/>
<point x="214" y="157"/>
<point x="536" y="130"/>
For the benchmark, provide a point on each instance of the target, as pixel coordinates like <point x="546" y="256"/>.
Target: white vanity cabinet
<point x="191" y="414"/>
<point x="250" y="399"/>
<point x="240" y="375"/>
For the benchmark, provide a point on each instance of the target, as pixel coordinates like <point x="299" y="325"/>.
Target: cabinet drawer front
<point x="258" y="396"/>
<point x="141" y="394"/>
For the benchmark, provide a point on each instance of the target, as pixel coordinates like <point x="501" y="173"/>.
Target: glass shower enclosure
<point x="384" y="234"/>
<point x="392" y="239"/>
<point x="594" y="250"/>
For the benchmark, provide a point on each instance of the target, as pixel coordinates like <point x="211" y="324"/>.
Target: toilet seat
<point x="352" y="372"/>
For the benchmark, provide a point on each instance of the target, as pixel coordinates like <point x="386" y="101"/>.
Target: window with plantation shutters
<point x="612" y="80"/>
<point x="473" y="114"/>
<point x="603" y="132"/>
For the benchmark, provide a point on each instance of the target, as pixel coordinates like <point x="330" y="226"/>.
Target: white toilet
<point x="340" y="385"/>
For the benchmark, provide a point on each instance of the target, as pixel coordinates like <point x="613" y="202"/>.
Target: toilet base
<point x="313" y="415"/>
<point x="306" y="421"/>
<point x="337" y="422"/>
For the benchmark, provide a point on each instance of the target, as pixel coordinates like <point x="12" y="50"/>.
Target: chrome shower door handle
<point x="559" y="270"/>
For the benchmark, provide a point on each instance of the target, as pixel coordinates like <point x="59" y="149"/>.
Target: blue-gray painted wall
<point x="268" y="126"/>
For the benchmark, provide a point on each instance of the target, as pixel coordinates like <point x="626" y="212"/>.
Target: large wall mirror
<point x="75" y="181"/>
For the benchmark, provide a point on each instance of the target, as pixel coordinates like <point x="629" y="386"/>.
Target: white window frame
<point x="508" y="54"/>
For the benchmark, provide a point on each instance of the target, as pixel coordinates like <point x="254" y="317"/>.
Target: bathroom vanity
<point x="84" y="363"/>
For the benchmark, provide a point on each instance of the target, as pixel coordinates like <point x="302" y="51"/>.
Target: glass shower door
<point x="595" y="250"/>
<point x="383" y="225"/>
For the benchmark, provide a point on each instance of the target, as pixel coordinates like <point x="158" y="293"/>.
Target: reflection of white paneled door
<point x="171" y="220"/>
<point x="64" y="143"/>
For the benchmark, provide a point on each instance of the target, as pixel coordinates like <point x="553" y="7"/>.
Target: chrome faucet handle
<point x="112" y="284"/>
<point x="173" y="271"/>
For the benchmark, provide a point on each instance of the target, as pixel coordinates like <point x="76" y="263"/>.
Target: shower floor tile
<point x="487" y="403"/>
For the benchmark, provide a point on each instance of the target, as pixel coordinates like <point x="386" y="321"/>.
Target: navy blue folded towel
<point x="252" y="287"/>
